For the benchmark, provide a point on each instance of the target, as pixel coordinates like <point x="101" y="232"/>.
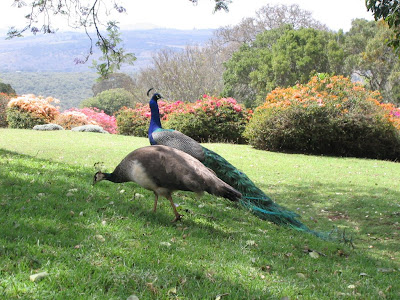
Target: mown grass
<point x="100" y="243"/>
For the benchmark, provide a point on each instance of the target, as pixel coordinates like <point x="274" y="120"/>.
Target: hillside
<point x="44" y="64"/>
<point x="57" y="52"/>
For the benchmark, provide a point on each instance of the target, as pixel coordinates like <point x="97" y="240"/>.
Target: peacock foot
<point x="178" y="217"/>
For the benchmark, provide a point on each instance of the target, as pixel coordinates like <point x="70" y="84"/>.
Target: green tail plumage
<point x="253" y="199"/>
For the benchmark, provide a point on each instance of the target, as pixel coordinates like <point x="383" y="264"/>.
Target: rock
<point x="89" y="128"/>
<point x="48" y="127"/>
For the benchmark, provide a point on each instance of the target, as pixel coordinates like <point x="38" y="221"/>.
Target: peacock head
<point x="99" y="176"/>
<point x="155" y="97"/>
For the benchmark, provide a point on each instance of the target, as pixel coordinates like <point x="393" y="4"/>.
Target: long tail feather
<point x="253" y="198"/>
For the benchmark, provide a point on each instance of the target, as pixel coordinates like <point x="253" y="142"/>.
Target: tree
<point x="388" y="10"/>
<point x="114" y="81"/>
<point x="281" y="57"/>
<point x="86" y="14"/>
<point x="185" y="75"/>
<point x="267" y="17"/>
<point x="369" y="57"/>
<point x="6" y="88"/>
<point x="109" y="101"/>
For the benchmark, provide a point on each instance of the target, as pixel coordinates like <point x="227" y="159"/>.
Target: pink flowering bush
<point x="211" y="119"/>
<point x="208" y="119"/>
<point x="27" y="111"/>
<point x="72" y="118"/>
<point x="109" y="123"/>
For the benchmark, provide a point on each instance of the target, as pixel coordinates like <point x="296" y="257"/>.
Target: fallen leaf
<point x="351" y="286"/>
<point x="386" y="270"/>
<point x="363" y="274"/>
<point x="251" y="243"/>
<point x="151" y="287"/>
<point x="100" y="238"/>
<point x="220" y="296"/>
<point x="167" y="244"/>
<point x="172" y="291"/>
<point x="132" y="297"/>
<point x="38" y="276"/>
<point x="313" y="254"/>
<point x="301" y="275"/>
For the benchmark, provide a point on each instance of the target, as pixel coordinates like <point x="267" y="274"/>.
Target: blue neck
<point x="155" y="122"/>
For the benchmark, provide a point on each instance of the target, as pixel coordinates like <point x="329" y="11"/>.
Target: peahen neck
<point x="155" y="122"/>
<point x="113" y="177"/>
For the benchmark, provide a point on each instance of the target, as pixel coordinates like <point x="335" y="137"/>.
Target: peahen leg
<point x="177" y="215"/>
<point x="155" y="202"/>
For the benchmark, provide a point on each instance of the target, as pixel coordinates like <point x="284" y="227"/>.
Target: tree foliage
<point x="281" y="57"/>
<point x="369" y="56"/>
<point x="110" y="101"/>
<point x="388" y="10"/>
<point x="185" y="75"/>
<point x="114" y="81"/>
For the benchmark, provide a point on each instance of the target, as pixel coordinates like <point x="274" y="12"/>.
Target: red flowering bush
<point x="28" y="110"/>
<point x="72" y="118"/>
<point x="4" y="99"/>
<point x="108" y="123"/>
<point x="328" y="115"/>
<point x="211" y="119"/>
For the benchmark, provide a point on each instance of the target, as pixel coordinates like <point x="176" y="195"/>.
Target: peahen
<point x="163" y="170"/>
<point x="253" y="198"/>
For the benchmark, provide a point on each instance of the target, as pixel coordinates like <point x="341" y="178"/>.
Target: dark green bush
<point x="328" y="116"/>
<point x="4" y="99"/>
<point x="212" y="120"/>
<point x="22" y="119"/>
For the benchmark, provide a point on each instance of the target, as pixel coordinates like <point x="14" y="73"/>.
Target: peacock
<point x="253" y="198"/>
<point x="163" y="170"/>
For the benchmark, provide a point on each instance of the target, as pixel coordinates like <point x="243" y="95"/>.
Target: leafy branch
<point x="79" y="14"/>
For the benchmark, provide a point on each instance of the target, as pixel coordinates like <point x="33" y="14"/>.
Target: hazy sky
<point x="182" y="14"/>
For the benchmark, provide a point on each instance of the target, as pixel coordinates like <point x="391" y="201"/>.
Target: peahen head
<point x="99" y="176"/>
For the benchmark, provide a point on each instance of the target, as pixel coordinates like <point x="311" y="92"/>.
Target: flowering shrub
<point x="328" y="115"/>
<point x="28" y="110"/>
<point x="4" y="99"/>
<point x="208" y="119"/>
<point x="211" y="119"/>
<point x="72" y="118"/>
<point x="136" y="121"/>
<point x="109" y="123"/>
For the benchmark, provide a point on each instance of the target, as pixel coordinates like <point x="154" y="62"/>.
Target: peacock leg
<point x="155" y="202"/>
<point x="177" y="215"/>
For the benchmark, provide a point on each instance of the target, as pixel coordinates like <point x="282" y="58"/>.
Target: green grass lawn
<point x="103" y="243"/>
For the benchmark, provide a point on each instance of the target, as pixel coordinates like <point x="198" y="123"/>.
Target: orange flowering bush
<point x="27" y="111"/>
<point x="328" y="115"/>
<point x="70" y="119"/>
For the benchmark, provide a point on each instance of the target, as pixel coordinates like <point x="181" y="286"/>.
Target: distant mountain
<point x="57" y="52"/>
<point x="44" y="64"/>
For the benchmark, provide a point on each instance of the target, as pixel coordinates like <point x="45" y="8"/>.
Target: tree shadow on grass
<point x="143" y="254"/>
